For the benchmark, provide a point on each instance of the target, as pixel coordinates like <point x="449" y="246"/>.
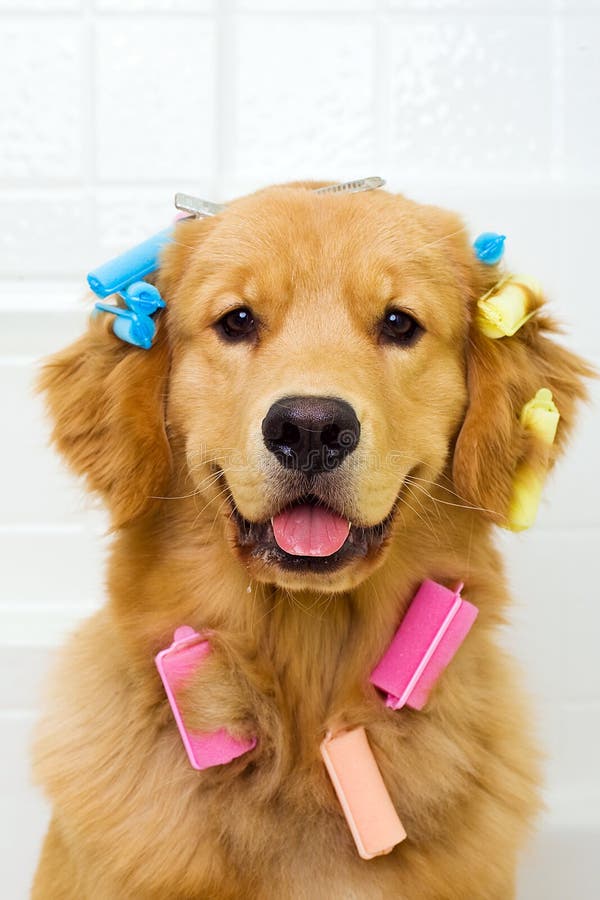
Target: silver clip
<point x="196" y="206"/>
<point x="352" y="187"/>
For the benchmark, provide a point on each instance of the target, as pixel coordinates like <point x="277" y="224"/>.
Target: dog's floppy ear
<point x="503" y="374"/>
<point x="106" y="399"/>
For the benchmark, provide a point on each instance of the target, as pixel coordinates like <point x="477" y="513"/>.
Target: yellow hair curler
<point x="508" y="305"/>
<point x="539" y="417"/>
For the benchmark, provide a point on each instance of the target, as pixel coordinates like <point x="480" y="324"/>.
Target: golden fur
<point x="170" y="438"/>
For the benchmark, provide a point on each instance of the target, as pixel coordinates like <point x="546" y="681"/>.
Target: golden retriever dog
<point x="317" y="358"/>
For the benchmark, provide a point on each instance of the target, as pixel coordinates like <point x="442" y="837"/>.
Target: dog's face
<point x="316" y="360"/>
<point x="319" y="364"/>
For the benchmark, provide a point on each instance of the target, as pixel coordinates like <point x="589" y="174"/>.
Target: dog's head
<point x="317" y="360"/>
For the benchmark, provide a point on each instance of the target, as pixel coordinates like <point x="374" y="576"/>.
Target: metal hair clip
<point x="352" y="187"/>
<point x="199" y="207"/>
<point x="196" y="206"/>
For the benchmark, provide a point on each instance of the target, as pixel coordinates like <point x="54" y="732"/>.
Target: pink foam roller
<point x="433" y="628"/>
<point x="176" y="665"/>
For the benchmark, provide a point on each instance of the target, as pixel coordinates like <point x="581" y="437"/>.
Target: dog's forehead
<point x="287" y="217"/>
<point x="293" y="229"/>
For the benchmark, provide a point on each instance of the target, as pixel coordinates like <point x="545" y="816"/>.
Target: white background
<point x="108" y="107"/>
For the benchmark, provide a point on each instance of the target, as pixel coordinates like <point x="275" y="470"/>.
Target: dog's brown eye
<point x="237" y="324"/>
<point x="399" y="327"/>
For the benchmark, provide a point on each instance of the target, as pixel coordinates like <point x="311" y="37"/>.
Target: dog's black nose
<point x="312" y="434"/>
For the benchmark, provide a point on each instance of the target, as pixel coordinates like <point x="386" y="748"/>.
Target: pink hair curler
<point x="433" y="628"/>
<point x="176" y="665"/>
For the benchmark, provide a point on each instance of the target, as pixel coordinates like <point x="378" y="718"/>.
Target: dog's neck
<point x="173" y="569"/>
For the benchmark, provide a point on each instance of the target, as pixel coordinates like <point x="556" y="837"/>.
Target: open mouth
<point x="309" y="536"/>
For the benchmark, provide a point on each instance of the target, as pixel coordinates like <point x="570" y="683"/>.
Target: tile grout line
<point x="557" y="152"/>
<point x="381" y="92"/>
<point x="48" y="188"/>
<point x="224" y="95"/>
<point x="90" y="126"/>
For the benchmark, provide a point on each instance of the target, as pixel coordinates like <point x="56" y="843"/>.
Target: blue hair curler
<point x="131" y="326"/>
<point x="489" y="247"/>
<point x="123" y="275"/>
<point x="116" y="275"/>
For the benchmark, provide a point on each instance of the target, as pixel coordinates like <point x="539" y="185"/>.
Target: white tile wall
<point x="42" y="101"/>
<point x="309" y="106"/>
<point x="39" y="6"/>
<point x="142" y="131"/>
<point x="109" y="106"/>
<point x="461" y="91"/>
<point x="125" y="6"/>
<point x="582" y="90"/>
<point x="44" y="232"/>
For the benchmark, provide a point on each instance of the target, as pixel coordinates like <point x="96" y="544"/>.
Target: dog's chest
<point x="281" y="813"/>
<point x="273" y="812"/>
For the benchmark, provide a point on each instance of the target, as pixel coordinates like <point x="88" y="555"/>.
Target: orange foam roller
<point x="362" y="793"/>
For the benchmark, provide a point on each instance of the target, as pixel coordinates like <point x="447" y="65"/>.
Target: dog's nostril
<point x="313" y="434"/>
<point x="290" y="434"/>
<point x="330" y="435"/>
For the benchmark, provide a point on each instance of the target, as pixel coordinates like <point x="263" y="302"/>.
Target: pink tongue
<point x="310" y="531"/>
